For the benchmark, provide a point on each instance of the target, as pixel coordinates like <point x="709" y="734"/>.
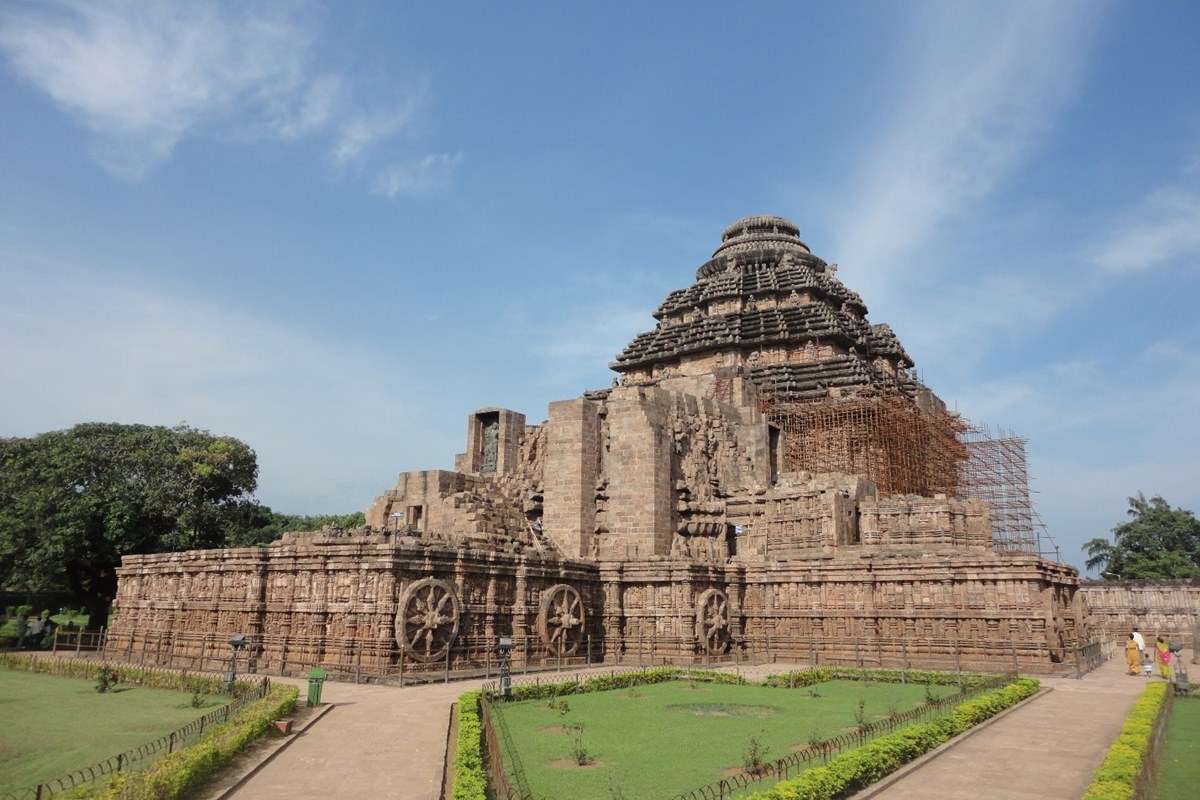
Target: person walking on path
<point x="1133" y="656"/>
<point x="1164" y="657"/>
<point x="1137" y="637"/>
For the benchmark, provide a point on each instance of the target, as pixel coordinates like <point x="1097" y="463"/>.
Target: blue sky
<point x="334" y="230"/>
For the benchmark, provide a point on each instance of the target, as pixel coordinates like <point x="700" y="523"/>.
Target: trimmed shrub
<point x="807" y="677"/>
<point x="137" y="676"/>
<point x="1117" y="776"/>
<point x="622" y="680"/>
<point x="859" y="768"/>
<point x="470" y="780"/>
<point x="175" y="775"/>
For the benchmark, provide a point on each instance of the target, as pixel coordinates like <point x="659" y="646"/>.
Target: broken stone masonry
<point x="667" y="518"/>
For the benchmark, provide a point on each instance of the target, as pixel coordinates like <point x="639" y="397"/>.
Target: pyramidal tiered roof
<point x="799" y="332"/>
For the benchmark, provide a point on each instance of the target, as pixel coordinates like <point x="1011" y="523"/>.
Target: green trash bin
<point x="316" y="679"/>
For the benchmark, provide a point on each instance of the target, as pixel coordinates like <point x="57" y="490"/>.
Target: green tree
<point x="1157" y="542"/>
<point x="73" y="502"/>
<point x="259" y="525"/>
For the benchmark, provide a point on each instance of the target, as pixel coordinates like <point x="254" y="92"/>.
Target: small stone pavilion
<point x="664" y="518"/>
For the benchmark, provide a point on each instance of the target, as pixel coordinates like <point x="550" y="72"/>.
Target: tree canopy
<point x="1157" y="542"/>
<point x="73" y="502"/>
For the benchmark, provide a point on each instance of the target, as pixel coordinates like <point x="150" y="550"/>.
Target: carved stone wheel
<point x="428" y="620"/>
<point x="560" y="619"/>
<point x="712" y="621"/>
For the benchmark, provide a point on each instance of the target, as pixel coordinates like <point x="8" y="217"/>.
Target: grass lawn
<point x="1179" y="769"/>
<point x="662" y="739"/>
<point x="51" y="725"/>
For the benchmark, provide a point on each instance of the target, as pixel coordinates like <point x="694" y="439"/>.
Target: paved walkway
<point x="385" y="742"/>
<point x="1045" y="750"/>
<point x="379" y="742"/>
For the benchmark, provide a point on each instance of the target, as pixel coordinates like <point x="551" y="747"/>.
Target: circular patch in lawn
<point x="725" y="709"/>
<point x="570" y="763"/>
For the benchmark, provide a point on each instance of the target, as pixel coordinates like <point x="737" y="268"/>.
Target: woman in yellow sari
<point x="1163" y="651"/>
<point x="1133" y="656"/>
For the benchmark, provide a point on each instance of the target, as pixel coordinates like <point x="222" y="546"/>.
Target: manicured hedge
<point x="137" y="676"/>
<point x="622" y="680"/>
<point x="859" y="768"/>
<point x="470" y="780"/>
<point x="1117" y="776"/>
<point x="808" y="677"/>
<point x="177" y="774"/>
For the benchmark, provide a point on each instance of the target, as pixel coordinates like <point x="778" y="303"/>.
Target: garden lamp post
<point x="504" y="649"/>
<point x="236" y="643"/>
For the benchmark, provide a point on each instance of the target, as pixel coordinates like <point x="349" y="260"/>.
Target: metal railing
<point x="499" y="745"/>
<point x="1091" y="655"/>
<point x="143" y="755"/>
<point x="78" y="641"/>
<point x="473" y="656"/>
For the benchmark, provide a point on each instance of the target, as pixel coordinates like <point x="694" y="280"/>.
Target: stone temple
<point x="765" y="479"/>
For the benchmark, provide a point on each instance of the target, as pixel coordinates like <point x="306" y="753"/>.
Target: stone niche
<point x="493" y="442"/>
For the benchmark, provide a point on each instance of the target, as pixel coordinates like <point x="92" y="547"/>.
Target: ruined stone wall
<point x="1167" y="608"/>
<point x="484" y="510"/>
<point x="340" y="602"/>
<point x="924" y="522"/>
<point x="934" y="611"/>
<point x="356" y="605"/>
<point x="669" y="461"/>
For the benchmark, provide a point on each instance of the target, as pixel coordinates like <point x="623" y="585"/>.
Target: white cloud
<point x="320" y="102"/>
<point x="362" y="131"/>
<point x="1165" y="227"/>
<point x="331" y="424"/>
<point x="1099" y="431"/>
<point x="430" y="173"/>
<point x="984" y="86"/>
<point x="141" y="75"/>
<point x="580" y="343"/>
<point x="144" y="75"/>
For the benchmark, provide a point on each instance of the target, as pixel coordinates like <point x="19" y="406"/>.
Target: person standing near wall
<point x="1133" y="656"/>
<point x="1163" y="651"/>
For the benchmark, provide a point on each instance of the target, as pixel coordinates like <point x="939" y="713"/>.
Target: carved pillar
<point x="735" y="587"/>
<point x="489" y="609"/>
<point x="685" y="608"/>
<point x="614" y="644"/>
<point x="520" y="609"/>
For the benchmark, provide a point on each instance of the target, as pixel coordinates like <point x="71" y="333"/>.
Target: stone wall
<point x="379" y="604"/>
<point x="1167" y="608"/>
<point x="343" y="602"/>
<point x="939" y="611"/>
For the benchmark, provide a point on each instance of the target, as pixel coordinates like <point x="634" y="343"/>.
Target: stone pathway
<point x="1046" y="750"/>
<point x="384" y="742"/>
<point x="379" y="742"/>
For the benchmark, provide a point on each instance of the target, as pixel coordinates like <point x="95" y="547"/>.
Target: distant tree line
<point x="1157" y="542"/>
<point x="73" y="502"/>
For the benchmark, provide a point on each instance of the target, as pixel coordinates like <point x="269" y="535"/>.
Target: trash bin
<point x="316" y="679"/>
